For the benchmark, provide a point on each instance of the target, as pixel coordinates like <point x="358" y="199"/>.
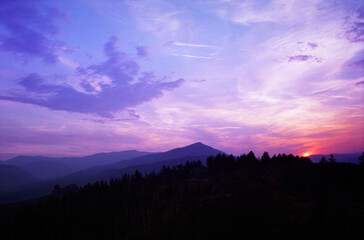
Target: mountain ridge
<point x="196" y="151"/>
<point x="340" y="157"/>
<point x="12" y="177"/>
<point x="47" y="168"/>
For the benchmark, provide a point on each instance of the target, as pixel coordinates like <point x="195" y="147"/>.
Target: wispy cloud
<point x="197" y="57"/>
<point x="182" y="44"/>
<point x="303" y="58"/>
<point x="155" y="16"/>
<point x="358" y="64"/>
<point x="355" y="26"/>
<point x="251" y="11"/>
<point x="190" y="56"/>
<point x="312" y="45"/>
<point x="69" y="63"/>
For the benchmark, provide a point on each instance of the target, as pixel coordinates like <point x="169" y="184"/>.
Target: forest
<point x="227" y="197"/>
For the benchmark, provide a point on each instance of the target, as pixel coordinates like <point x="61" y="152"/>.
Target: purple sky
<point x="86" y="76"/>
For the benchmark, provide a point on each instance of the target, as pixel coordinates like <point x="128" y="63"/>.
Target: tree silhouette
<point x="332" y="159"/>
<point x="265" y="157"/>
<point x="323" y="160"/>
<point x="251" y="156"/>
<point x="361" y="160"/>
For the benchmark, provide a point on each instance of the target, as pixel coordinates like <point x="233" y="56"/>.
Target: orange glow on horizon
<point x="306" y="154"/>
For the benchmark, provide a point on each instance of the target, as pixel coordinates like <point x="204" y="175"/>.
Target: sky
<point x="79" y="77"/>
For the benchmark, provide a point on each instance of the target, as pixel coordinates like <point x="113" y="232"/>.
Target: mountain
<point x="12" y="177"/>
<point x="104" y="158"/>
<point x="196" y="149"/>
<point x="146" y="163"/>
<point x="45" y="169"/>
<point x="6" y="156"/>
<point x="83" y="178"/>
<point x="346" y="158"/>
<point x="49" y="168"/>
<point x="20" y="160"/>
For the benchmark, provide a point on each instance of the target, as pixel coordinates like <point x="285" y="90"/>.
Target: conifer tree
<point x="361" y="160"/>
<point x="323" y="160"/>
<point x="332" y="159"/>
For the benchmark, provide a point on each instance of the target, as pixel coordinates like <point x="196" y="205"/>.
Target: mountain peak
<point x="197" y="148"/>
<point x="197" y="144"/>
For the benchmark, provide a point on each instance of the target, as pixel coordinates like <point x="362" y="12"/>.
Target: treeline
<point x="284" y="196"/>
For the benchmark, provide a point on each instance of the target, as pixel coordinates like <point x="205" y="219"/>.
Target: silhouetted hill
<point x="105" y="158"/>
<point x="340" y="157"/>
<point x="188" y="152"/>
<point x="46" y="169"/>
<point x="50" y="168"/>
<point x="196" y="149"/>
<point x="109" y="173"/>
<point x="6" y="156"/>
<point x="104" y="172"/>
<point x="12" y="177"/>
<point x="20" y="160"/>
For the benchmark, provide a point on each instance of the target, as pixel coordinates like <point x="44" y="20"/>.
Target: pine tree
<point x="361" y="160"/>
<point x="323" y="160"/>
<point x="265" y="157"/>
<point x="332" y="159"/>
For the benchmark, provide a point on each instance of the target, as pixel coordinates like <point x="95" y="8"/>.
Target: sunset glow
<point x="80" y="77"/>
<point x="306" y="154"/>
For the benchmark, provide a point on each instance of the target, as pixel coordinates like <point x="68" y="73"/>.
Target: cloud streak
<point x="196" y="57"/>
<point x="355" y="32"/>
<point x="182" y="44"/>
<point x="303" y="58"/>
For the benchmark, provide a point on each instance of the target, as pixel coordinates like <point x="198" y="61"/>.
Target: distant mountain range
<point x="346" y="158"/>
<point x="27" y="177"/>
<point x="12" y="177"/>
<point x="6" y="156"/>
<point x="46" y="168"/>
<point x="47" y="172"/>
